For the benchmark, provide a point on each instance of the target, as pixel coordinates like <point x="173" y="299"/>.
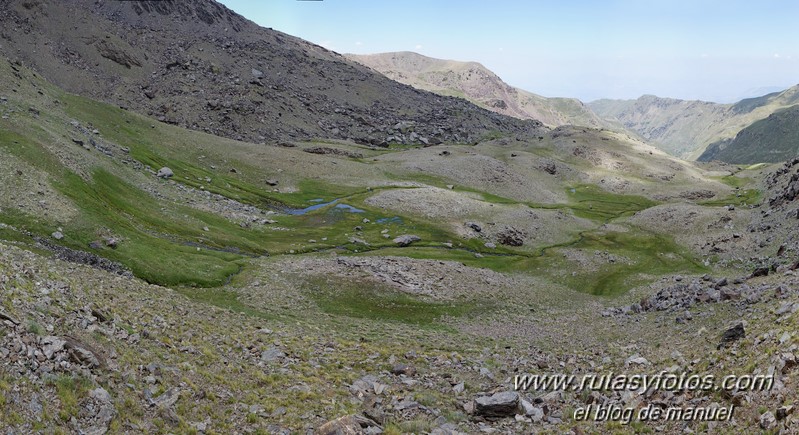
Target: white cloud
<point x="358" y="43"/>
<point x="418" y="46"/>
<point x="776" y="55"/>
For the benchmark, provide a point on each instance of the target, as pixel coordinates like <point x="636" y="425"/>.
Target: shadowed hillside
<point x="199" y="65"/>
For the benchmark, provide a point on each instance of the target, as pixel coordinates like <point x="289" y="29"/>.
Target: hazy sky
<point x="693" y="49"/>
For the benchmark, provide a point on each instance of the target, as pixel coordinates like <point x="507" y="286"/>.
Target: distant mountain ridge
<point x="478" y="84"/>
<point x="686" y="128"/>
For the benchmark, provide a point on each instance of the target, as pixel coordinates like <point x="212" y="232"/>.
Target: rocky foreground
<point x="89" y="351"/>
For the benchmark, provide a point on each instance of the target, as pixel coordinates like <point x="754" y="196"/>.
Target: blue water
<point x="390" y="220"/>
<point x="349" y="208"/>
<point x="302" y="211"/>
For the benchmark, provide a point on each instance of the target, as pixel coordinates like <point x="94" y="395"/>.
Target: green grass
<point x="69" y="390"/>
<point x="733" y="181"/>
<point x="223" y="299"/>
<point x="366" y="300"/>
<point x="743" y="197"/>
<point x="652" y="255"/>
<point x="591" y="202"/>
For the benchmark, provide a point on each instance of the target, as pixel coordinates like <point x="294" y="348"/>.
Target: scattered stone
<point x="490" y="245"/>
<point x="347" y="425"/>
<point x="57" y="235"/>
<point x="272" y="182"/>
<point x="511" y="237"/>
<point x="167" y="399"/>
<point x="6" y="317"/>
<point x="52" y="345"/>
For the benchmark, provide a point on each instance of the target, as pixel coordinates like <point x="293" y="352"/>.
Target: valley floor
<point x="324" y="285"/>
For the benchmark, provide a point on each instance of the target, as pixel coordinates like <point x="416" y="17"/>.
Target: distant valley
<point x="688" y="128"/>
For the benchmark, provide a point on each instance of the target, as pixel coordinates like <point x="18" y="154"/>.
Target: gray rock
<point x="52" y="345"/>
<point x="84" y="356"/>
<point x="490" y="245"/>
<point x="165" y="173"/>
<point x="58" y="235"/>
<point x="637" y="360"/>
<point x="347" y="425"/>
<point x="272" y="354"/>
<point x="499" y="405"/>
<point x="403" y="369"/>
<point x="784" y="411"/>
<point x="166" y="400"/>
<point x="100" y="394"/>
<point x="257" y="73"/>
<point x="768" y="421"/>
<point x="406" y="239"/>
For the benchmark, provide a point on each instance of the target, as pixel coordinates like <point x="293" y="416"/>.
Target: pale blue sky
<point x="695" y="49"/>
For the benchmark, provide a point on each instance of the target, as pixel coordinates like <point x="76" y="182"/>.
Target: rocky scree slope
<point x="686" y="128"/>
<point x="200" y="65"/>
<point x="478" y="84"/>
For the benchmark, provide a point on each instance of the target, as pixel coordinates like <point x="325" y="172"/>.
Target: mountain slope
<point x="212" y="335"/>
<point x="476" y="83"/>
<point x="199" y="65"/>
<point x="686" y="128"/>
<point x="773" y="139"/>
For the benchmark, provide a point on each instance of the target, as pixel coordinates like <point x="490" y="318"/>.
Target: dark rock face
<point x="257" y="84"/>
<point x="511" y="237"/>
<point x="735" y="333"/>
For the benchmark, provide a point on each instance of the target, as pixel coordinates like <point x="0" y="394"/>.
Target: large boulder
<point x="165" y="173"/>
<point x="406" y="239"/>
<point x="499" y="405"/>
